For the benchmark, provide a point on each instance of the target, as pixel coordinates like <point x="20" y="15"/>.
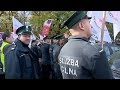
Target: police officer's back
<point x="78" y="58"/>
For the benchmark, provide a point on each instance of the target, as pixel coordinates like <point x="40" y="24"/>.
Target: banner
<point x="111" y="16"/>
<point x="116" y="30"/>
<point x="46" y="27"/>
<point x="96" y="23"/>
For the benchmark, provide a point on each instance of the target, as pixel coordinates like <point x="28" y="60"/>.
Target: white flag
<point x="111" y="16"/>
<point x="41" y="37"/>
<point x="116" y="30"/>
<point x="16" y="24"/>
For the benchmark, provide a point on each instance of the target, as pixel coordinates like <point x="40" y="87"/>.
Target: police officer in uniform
<point x="55" y="52"/>
<point x="78" y="58"/>
<point x="45" y="60"/>
<point x="20" y="61"/>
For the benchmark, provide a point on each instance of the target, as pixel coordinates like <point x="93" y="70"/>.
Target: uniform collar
<point x="78" y="37"/>
<point x="21" y="46"/>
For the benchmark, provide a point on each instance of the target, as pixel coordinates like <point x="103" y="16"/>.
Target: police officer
<point x="20" y="61"/>
<point x="36" y="49"/>
<point x="55" y="52"/>
<point x="45" y="60"/>
<point x="78" y="58"/>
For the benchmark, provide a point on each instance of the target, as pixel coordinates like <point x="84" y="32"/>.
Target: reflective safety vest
<point x="2" y="56"/>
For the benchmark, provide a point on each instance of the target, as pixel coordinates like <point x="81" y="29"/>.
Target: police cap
<point x="75" y="18"/>
<point x="59" y="36"/>
<point x="52" y="37"/>
<point x="46" y="38"/>
<point x="24" y="29"/>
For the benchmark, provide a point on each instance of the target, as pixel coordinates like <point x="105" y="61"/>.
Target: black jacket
<point x="81" y="60"/>
<point x="37" y="51"/>
<point x="56" y="49"/>
<point x="45" y="54"/>
<point x="20" y="63"/>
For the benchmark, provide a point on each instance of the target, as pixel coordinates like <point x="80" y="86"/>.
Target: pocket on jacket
<point x="27" y="60"/>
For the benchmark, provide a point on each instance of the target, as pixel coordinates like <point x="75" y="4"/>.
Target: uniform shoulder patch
<point x="11" y="48"/>
<point x="97" y="46"/>
<point x="92" y="43"/>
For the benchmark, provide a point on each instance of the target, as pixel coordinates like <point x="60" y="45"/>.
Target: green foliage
<point x="6" y="20"/>
<point x="39" y="17"/>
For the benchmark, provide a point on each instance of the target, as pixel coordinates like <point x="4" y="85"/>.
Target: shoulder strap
<point x="5" y="48"/>
<point x="11" y="47"/>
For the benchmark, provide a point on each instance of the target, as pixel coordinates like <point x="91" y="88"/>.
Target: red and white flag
<point x="46" y="27"/>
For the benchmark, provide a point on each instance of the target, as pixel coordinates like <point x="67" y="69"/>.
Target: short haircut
<point x="77" y="24"/>
<point x="6" y="34"/>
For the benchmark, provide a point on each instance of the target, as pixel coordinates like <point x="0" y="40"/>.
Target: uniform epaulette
<point x="97" y="46"/>
<point x="12" y="47"/>
<point x="92" y="43"/>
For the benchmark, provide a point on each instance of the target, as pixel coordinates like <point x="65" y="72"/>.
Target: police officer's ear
<point x="81" y="26"/>
<point x="19" y="36"/>
<point x="6" y="38"/>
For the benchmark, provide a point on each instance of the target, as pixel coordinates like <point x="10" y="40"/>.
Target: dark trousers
<point x="46" y="69"/>
<point x="56" y="72"/>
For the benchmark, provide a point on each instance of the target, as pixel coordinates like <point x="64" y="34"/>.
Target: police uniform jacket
<point x="55" y="48"/>
<point x="37" y="51"/>
<point x="45" y="54"/>
<point x="81" y="60"/>
<point x="21" y="63"/>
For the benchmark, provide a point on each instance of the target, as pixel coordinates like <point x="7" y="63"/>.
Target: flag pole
<point x="102" y="30"/>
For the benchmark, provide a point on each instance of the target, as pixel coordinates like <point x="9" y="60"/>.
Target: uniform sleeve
<point x="57" y="53"/>
<point x="39" y="52"/>
<point x="101" y="68"/>
<point x="12" y="67"/>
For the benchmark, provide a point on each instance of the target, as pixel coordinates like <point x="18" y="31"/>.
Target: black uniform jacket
<point x="20" y="63"/>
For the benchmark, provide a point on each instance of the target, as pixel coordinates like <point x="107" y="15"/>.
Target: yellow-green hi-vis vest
<point x="2" y="56"/>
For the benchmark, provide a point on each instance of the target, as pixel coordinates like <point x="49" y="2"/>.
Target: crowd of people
<point x="39" y="61"/>
<point x="56" y="57"/>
